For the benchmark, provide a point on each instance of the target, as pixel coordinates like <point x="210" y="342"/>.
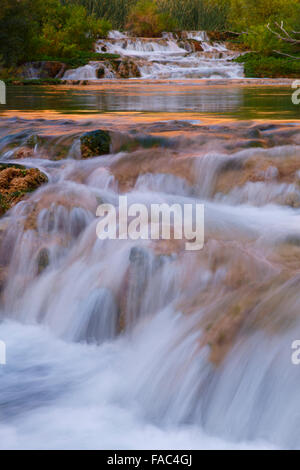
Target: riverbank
<point x="104" y="83"/>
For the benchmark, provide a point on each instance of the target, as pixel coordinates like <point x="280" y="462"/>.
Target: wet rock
<point x="42" y="260"/>
<point x="100" y="72"/>
<point x="254" y="133"/>
<point x="218" y="36"/>
<point x="15" y="182"/>
<point x="136" y="280"/>
<point x="95" y="143"/>
<point x="23" y="152"/>
<point x="195" y="45"/>
<point x="271" y="173"/>
<point x="34" y="140"/>
<point x="292" y="200"/>
<point x="128" y="69"/>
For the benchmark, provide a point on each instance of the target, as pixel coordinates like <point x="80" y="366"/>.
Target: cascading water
<point x="188" y="55"/>
<point x="191" y="55"/>
<point x="135" y="344"/>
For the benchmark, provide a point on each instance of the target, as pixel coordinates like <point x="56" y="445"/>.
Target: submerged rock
<point x="95" y="143"/>
<point x="23" y="152"/>
<point x="15" y="182"/>
<point x="42" y="260"/>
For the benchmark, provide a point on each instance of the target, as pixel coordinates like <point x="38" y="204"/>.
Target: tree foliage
<point x="66" y="28"/>
<point x="146" y="19"/>
<point x="30" y="28"/>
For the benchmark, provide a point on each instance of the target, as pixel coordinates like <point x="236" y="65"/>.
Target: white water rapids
<point x="192" y="55"/>
<point x="105" y="343"/>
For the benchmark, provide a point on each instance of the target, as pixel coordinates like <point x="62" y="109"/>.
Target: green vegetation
<point x="208" y="15"/>
<point x="269" y="31"/>
<point x="65" y="30"/>
<point x="34" y="28"/>
<point x="261" y="66"/>
<point x="146" y="19"/>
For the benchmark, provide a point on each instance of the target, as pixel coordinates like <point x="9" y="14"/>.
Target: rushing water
<point x="174" y="56"/>
<point x="137" y="344"/>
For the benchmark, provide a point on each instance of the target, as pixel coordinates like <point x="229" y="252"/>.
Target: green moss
<point x="10" y="195"/>
<point x="260" y="66"/>
<point x="95" y="143"/>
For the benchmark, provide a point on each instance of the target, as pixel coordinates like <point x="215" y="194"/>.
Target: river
<point x="122" y="344"/>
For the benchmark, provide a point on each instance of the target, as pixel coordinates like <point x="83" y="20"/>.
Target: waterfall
<point x="186" y="55"/>
<point x="139" y="343"/>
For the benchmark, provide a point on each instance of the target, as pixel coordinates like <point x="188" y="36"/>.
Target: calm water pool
<point x="229" y="101"/>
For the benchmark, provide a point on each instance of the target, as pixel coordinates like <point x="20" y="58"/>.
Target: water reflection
<point x="233" y="101"/>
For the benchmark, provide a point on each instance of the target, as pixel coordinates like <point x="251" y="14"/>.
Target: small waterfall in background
<point x="174" y="56"/>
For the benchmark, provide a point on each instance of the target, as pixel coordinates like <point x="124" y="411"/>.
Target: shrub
<point x="146" y="19"/>
<point x="246" y="13"/>
<point x="260" y="66"/>
<point x="46" y="27"/>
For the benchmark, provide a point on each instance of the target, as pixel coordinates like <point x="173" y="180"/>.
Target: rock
<point x="292" y="200"/>
<point x="95" y="143"/>
<point x="128" y="69"/>
<point x="43" y="69"/>
<point x="221" y="35"/>
<point x="23" y="152"/>
<point x="195" y="45"/>
<point x="42" y="260"/>
<point x="100" y="72"/>
<point x="15" y="182"/>
<point x="34" y="140"/>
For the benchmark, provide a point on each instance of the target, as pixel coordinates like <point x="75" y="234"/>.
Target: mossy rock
<point x="95" y="143"/>
<point x="128" y="69"/>
<point x="15" y="182"/>
<point x="34" y="140"/>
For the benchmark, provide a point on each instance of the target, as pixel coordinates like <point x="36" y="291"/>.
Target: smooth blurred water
<point x="107" y="345"/>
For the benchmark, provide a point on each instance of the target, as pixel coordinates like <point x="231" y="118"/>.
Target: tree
<point x="146" y="19"/>
<point x="33" y="28"/>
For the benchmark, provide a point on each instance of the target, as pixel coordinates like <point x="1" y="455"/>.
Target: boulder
<point x="100" y="72"/>
<point x="218" y="36"/>
<point x="15" y="182"/>
<point x="128" y="69"/>
<point x="95" y="143"/>
<point x="196" y="45"/>
<point x="42" y="260"/>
